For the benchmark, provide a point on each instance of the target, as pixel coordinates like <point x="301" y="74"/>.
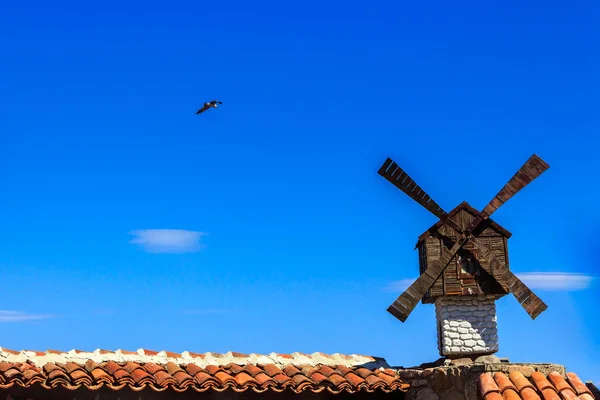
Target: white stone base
<point x="466" y="325"/>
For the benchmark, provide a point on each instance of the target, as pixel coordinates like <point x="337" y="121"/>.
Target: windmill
<point x="463" y="261"/>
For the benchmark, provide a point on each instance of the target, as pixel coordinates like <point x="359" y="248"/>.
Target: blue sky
<point x="285" y="238"/>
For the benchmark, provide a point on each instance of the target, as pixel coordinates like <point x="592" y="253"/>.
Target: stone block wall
<point x="466" y="325"/>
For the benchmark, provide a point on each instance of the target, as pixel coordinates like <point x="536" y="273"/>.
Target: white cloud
<point x="168" y="240"/>
<point x="400" y="286"/>
<point x="558" y="281"/>
<point x="16" y="316"/>
<point x="563" y="281"/>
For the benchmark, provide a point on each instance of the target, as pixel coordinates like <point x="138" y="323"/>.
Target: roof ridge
<point x="201" y="359"/>
<point x="198" y="372"/>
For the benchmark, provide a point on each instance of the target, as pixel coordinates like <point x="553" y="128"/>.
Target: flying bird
<point x="210" y="104"/>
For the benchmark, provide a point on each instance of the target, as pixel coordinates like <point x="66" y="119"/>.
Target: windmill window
<point x="468" y="264"/>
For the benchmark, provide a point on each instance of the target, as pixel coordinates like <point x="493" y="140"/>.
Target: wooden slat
<point x="511" y="280"/>
<point x="464" y="218"/>
<point x="489" y="231"/>
<point x="415" y="293"/>
<point x="403" y="304"/>
<point x="428" y="279"/>
<point x="532" y="168"/>
<point x="438" y="285"/>
<point x="474" y="224"/>
<point x="411" y="297"/>
<point x="399" y="178"/>
<point x="540" y="308"/>
<point x="402" y="307"/>
<point x="385" y="167"/>
<point x="496" y="243"/>
<point x="397" y="311"/>
<point x="522" y="293"/>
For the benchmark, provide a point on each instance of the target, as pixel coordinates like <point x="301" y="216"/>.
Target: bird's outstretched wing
<point x="204" y="108"/>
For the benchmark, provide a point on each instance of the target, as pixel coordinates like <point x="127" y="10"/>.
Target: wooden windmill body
<point x="464" y="275"/>
<point x="464" y="268"/>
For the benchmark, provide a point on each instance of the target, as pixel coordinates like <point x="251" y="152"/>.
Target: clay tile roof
<point x="539" y="386"/>
<point x="577" y="384"/>
<point x="162" y="370"/>
<point x="487" y="385"/>
<point x="494" y="396"/>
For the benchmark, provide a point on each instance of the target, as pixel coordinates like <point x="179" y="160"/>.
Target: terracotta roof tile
<point x="101" y="376"/>
<point x="510" y="394"/>
<point x="520" y="381"/>
<point x="172" y="355"/>
<point x="339" y="380"/>
<point x="577" y="384"/>
<point x="292" y="371"/>
<point x="300" y="379"/>
<point x="487" y="385"/>
<point x="504" y="382"/>
<point x="372" y="380"/>
<point x="316" y="377"/>
<point x="516" y="386"/>
<point x="343" y="370"/>
<point x="212" y="369"/>
<point x="568" y="395"/>
<point x="264" y="379"/>
<point x="354" y="379"/>
<point x="386" y="377"/>
<point x="363" y="372"/>
<point x="558" y="381"/>
<point x="243" y="379"/>
<point x="540" y="381"/>
<point x="272" y="370"/>
<point x="199" y="372"/>
<point x="253" y="370"/>
<point x="141" y="377"/>
<point x="202" y="377"/>
<point x="282" y="379"/>
<point x="494" y="396"/>
<point x="550" y="394"/>
<point x="528" y="393"/>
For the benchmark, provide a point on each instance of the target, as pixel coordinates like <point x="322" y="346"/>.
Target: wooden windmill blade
<point x="407" y="301"/>
<point x="399" y="178"/>
<point x="532" y="304"/>
<point x="532" y="168"/>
